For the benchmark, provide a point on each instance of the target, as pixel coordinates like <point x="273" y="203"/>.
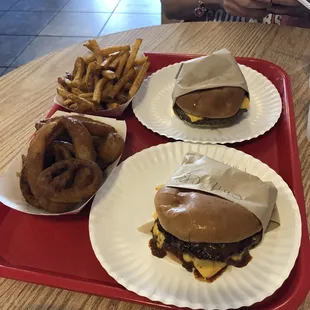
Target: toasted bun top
<point x="199" y="217"/>
<point x="219" y="102"/>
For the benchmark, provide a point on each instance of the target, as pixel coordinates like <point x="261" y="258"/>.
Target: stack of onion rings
<point x="65" y="159"/>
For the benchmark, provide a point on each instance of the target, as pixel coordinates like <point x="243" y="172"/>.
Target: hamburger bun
<point x="217" y="107"/>
<point x="203" y="218"/>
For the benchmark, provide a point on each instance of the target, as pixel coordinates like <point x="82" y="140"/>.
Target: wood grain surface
<point x="26" y="95"/>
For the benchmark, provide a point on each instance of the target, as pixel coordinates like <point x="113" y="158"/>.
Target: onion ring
<point x="81" y="139"/>
<point x="94" y="127"/>
<point x="110" y="148"/>
<point x="61" y="150"/>
<point x="51" y="207"/>
<point x="74" y="194"/>
<point x="84" y="150"/>
<point x="26" y="191"/>
<point x="83" y="178"/>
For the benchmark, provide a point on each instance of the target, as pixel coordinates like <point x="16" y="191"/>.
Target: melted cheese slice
<point x="207" y="268"/>
<point x="194" y="118"/>
<point x="158" y="187"/>
<point x="160" y="238"/>
<point x="245" y="105"/>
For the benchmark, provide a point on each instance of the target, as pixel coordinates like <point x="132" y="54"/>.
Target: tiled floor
<point x="32" y="28"/>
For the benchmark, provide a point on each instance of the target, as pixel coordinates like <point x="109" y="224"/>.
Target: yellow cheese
<point x="159" y="187"/>
<point x="160" y="238"/>
<point x="245" y="103"/>
<point x="194" y="118"/>
<point x="155" y="216"/>
<point x="205" y="267"/>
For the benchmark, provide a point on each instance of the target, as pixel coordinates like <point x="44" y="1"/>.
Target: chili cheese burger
<point x="205" y="233"/>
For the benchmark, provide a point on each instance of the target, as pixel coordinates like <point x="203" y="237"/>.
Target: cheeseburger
<point x="212" y="108"/>
<point x="210" y="91"/>
<point x="205" y="233"/>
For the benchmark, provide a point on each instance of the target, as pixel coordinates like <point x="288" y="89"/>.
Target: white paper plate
<point x="10" y="193"/>
<point x="153" y="108"/>
<point x="126" y="203"/>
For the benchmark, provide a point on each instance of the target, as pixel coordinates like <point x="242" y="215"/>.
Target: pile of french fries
<point x="107" y="78"/>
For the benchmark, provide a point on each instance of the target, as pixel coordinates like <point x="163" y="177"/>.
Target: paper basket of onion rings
<point x="64" y="164"/>
<point x="103" y="82"/>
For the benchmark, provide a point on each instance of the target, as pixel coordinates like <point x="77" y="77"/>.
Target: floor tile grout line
<point x="23" y="50"/>
<point x="36" y="34"/>
<point x="109" y="18"/>
<point x="104" y="25"/>
<point x="53" y="17"/>
<point x="14" y="5"/>
<point x="40" y="35"/>
<point x="83" y="12"/>
<point x="86" y="12"/>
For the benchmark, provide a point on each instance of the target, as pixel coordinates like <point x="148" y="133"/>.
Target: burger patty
<point x="221" y="252"/>
<point x="209" y="122"/>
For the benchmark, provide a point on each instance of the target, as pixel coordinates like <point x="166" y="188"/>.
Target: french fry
<point x="89" y="58"/>
<point x="62" y="92"/>
<point x="127" y="85"/>
<point x="112" y="105"/>
<point x="139" y="79"/>
<point x="133" y="54"/>
<point x="91" y="69"/>
<point x="140" y="61"/>
<point x="63" y="83"/>
<point x="79" y="68"/>
<point x="121" y="65"/>
<point x="106" y="63"/>
<point x="112" y="49"/>
<point x="108" y="87"/>
<point x="115" y="62"/>
<point x="98" y="89"/>
<point x="94" y="47"/>
<point x="110" y="75"/>
<point x="73" y="106"/>
<point x="86" y="95"/>
<point x="107" y="51"/>
<point x="121" y="98"/>
<point x="121" y="82"/>
<point x="76" y="91"/>
<point x="96" y="80"/>
<point x="136" y="73"/>
<point x="104" y="79"/>
<point x="82" y="102"/>
<point x="68" y="102"/>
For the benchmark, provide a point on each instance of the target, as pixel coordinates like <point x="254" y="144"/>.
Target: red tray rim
<point x="103" y="289"/>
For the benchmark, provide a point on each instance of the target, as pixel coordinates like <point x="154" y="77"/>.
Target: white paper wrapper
<point x="10" y="193"/>
<point x="204" y="174"/>
<point x="216" y="70"/>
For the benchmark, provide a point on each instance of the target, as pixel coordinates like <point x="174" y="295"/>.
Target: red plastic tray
<point x="57" y="251"/>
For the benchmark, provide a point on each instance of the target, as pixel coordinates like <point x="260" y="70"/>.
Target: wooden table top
<point x="26" y="95"/>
